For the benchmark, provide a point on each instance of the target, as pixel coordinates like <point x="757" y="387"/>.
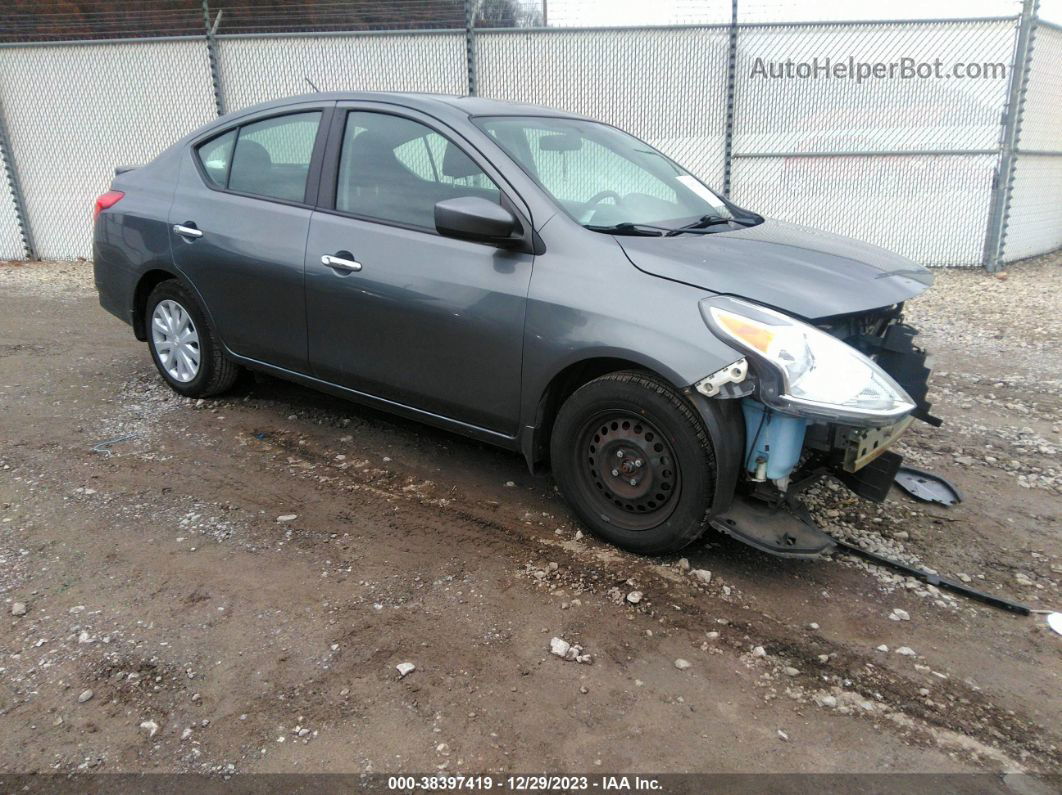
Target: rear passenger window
<point x="215" y="155"/>
<point x="272" y="157"/>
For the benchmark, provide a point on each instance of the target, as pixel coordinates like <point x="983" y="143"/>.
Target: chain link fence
<point x="73" y="112"/>
<point x="954" y="172"/>
<point x="1034" y="213"/>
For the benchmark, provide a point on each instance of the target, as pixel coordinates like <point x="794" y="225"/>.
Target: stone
<point x="404" y="669"/>
<point x="702" y="575"/>
<point x="827" y="701"/>
<point x="898" y="614"/>
<point x="150" y="727"/>
<point x="634" y="597"/>
<point x="783" y="736"/>
<point x="18" y="609"/>
<point x="883" y="647"/>
<point x="287" y="517"/>
<point x="791" y="671"/>
<point x="759" y="651"/>
<point x="85" y="696"/>
<point x="813" y="625"/>
<point x="682" y="665"/>
<point x="906" y="651"/>
<point x="559" y="646"/>
<point x="684" y="564"/>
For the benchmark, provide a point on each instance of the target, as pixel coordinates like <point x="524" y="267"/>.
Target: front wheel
<point x="635" y="462"/>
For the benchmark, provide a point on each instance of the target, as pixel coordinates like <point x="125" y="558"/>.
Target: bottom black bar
<point x="938" y="581"/>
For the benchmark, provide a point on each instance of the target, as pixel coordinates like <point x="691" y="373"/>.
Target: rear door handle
<point x="187" y="231"/>
<point x="340" y="264"/>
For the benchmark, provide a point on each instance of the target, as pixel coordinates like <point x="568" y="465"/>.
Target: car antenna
<point x="308" y="80"/>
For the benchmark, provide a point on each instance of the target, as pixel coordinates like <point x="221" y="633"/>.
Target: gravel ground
<point x="232" y="587"/>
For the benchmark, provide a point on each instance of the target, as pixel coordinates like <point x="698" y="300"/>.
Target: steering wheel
<point x="597" y="198"/>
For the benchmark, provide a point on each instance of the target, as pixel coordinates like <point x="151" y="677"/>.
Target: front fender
<point x="726" y="429"/>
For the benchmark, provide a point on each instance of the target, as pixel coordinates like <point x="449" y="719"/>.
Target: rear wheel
<point x="184" y="347"/>
<point x="635" y="462"/>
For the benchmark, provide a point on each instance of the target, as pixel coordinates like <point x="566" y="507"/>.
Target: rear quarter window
<point x="216" y="156"/>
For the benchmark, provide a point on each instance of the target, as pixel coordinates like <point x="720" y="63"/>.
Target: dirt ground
<point x="231" y="588"/>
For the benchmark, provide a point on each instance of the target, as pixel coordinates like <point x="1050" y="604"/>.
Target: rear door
<point x="238" y="229"/>
<point x="426" y="321"/>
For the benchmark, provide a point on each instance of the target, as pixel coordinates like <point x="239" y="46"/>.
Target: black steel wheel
<point x="629" y="470"/>
<point x="635" y="462"/>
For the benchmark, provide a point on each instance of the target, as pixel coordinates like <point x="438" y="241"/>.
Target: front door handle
<point x="340" y="264"/>
<point x="187" y="231"/>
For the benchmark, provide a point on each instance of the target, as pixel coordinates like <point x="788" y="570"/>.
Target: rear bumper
<point x="115" y="283"/>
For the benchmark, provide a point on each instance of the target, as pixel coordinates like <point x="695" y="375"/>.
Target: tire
<point x="197" y="366"/>
<point x="655" y="503"/>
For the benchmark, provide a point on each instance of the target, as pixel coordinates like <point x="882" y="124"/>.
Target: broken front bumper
<point x="766" y="513"/>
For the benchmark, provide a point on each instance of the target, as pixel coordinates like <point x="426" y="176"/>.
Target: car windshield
<point x="602" y="177"/>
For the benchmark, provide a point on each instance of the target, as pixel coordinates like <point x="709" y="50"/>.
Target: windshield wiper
<point x="628" y="228"/>
<point x="701" y="224"/>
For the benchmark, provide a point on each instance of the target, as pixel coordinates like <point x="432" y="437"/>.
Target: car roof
<point x="446" y="104"/>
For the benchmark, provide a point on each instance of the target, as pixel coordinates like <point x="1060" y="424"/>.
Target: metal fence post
<point x="470" y="44"/>
<point x="212" y="55"/>
<point x="1003" y="184"/>
<point x="731" y="82"/>
<point x="15" y="186"/>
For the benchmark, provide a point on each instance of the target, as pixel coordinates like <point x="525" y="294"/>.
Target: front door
<point x="401" y="312"/>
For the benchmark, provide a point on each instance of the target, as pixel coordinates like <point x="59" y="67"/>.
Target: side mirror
<point x="475" y="218"/>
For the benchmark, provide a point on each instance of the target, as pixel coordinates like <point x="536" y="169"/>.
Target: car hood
<point x="796" y="269"/>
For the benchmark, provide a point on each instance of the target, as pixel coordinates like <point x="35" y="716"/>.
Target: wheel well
<point x="147" y="283"/>
<point x="562" y="385"/>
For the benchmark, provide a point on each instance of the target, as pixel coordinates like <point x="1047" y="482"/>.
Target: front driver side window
<point x="395" y="169"/>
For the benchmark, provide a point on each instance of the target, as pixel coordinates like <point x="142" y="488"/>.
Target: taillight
<point x="108" y="199"/>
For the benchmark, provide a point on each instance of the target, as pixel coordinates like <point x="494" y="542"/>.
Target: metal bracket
<point x="733" y="373"/>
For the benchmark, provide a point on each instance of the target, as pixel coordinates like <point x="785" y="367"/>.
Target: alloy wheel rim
<point x="176" y="340"/>
<point x="629" y="470"/>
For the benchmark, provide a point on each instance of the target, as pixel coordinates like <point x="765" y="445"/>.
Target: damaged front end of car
<point x="818" y="399"/>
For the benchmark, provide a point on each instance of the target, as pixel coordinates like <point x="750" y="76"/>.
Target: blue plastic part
<point x="775" y="438"/>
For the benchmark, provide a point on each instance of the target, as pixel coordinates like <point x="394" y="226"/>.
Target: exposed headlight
<point x="817" y="375"/>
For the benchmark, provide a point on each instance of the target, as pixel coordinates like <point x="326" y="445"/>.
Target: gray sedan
<point x="533" y="279"/>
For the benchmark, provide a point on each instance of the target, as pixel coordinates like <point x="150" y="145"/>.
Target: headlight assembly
<point x="806" y="371"/>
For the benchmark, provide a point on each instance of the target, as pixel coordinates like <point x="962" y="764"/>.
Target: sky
<point x="577" y="13"/>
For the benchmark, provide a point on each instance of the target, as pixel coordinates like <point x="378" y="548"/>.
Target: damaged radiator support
<point x="939" y="582"/>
